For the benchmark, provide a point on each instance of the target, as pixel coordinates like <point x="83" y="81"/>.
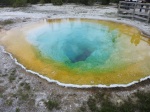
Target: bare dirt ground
<point x="26" y="92"/>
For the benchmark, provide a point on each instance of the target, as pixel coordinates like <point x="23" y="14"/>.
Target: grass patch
<point x="1" y="95"/>
<point x="22" y="84"/>
<point x="13" y="72"/>
<point x="92" y="104"/>
<point x="9" y="102"/>
<point x="25" y="85"/>
<point x="23" y="95"/>
<point x="82" y="108"/>
<point x="17" y="110"/>
<point x="14" y="95"/>
<point x="143" y="102"/>
<point x="11" y="78"/>
<point x="52" y="104"/>
<point x="101" y="103"/>
<point x="6" y="22"/>
<point x="127" y="106"/>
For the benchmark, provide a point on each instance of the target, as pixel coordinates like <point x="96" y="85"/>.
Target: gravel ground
<point x="26" y="92"/>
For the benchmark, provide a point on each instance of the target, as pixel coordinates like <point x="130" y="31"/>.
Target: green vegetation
<point x="14" y="70"/>
<point x="57" y="2"/>
<point x="90" y="2"/>
<point x="24" y="91"/>
<point x="42" y="1"/>
<point x="21" y="3"/>
<point x="33" y="1"/>
<point x="101" y="102"/>
<point x="82" y="108"/>
<point x="143" y="102"/>
<point x="14" y="3"/>
<point x="105" y="2"/>
<point x="1" y="95"/>
<point x="21" y="84"/>
<point x="6" y="22"/>
<point x="9" y="102"/>
<point x="11" y="78"/>
<point x="86" y="2"/>
<point x="24" y="96"/>
<point x="17" y="110"/>
<point x="52" y="104"/>
<point x="92" y="104"/>
<point x="25" y="85"/>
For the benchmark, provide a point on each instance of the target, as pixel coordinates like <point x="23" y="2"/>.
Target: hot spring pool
<point x="81" y="51"/>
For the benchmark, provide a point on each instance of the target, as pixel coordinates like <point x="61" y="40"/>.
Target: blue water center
<point x="74" y="42"/>
<point x="78" y="49"/>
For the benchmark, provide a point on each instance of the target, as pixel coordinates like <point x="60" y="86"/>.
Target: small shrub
<point x="17" y="110"/>
<point x="42" y="1"/>
<point x="99" y="96"/>
<point x="24" y="96"/>
<point x="14" y="95"/>
<point x="19" y="3"/>
<point x="6" y="22"/>
<point x="27" y="86"/>
<point x="108" y="106"/>
<point x="1" y="95"/>
<point x="22" y="84"/>
<point x="83" y="108"/>
<point x="9" y="102"/>
<point x="127" y="106"/>
<point x="31" y="101"/>
<point x="52" y="104"/>
<point x="143" y="103"/>
<point x="13" y="71"/>
<point x="92" y="104"/>
<point x="11" y="78"/>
